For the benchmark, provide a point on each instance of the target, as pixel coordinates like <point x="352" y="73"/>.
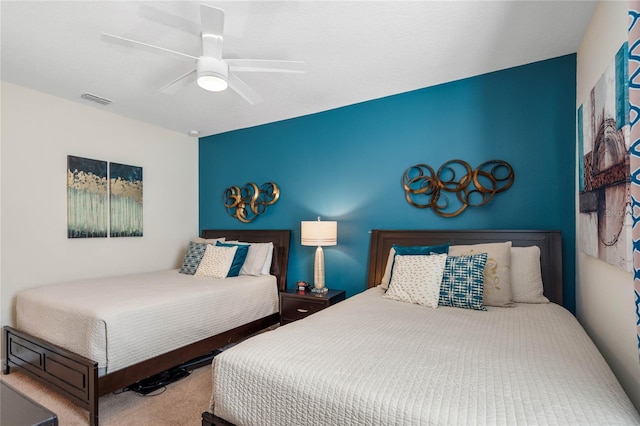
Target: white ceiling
<point x="354" y="51"/>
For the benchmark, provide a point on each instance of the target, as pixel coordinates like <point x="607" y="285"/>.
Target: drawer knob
<point x="303" y="311"/>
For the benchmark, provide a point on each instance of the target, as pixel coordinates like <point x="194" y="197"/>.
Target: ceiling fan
<point x="212" y="72"/>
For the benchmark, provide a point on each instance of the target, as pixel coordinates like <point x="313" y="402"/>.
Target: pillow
<point x="497" y="272"/>
<point x="416" y="279"/>
<point x="216" y="261"/>
<point x="194" y="253"/>
<point x="408" y="250"/>
<point x="463" y="282"/>
<point x="266" y="268"/>
<point x="238" y="259"/>
<point x="256" y="258"/>
<point x="192" y="257"/>
<point x="413" y="250"/>
<point x="207" y="240"/>
<point x="384" y="282"/>
<point x="526" y="275"/>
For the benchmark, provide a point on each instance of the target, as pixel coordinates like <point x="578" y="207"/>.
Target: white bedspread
<point x="119" y="321"/>
<point x="374" y="361"/>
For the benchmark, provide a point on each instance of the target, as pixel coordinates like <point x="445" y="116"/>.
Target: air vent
<point x="94" y="98"/>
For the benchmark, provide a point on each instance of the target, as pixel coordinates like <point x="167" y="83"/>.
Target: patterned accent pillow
<point x="408" y="250"/>
<point x="416" y="279"/>
<point x="497" y="272"/>
<point x="216" y="261"/>
<point x="241" y="255"/>
<point x="463" y="282"/>
<point x="192" y="257"/>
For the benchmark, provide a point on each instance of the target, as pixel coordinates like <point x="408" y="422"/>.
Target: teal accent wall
<point x="346" y="164"/>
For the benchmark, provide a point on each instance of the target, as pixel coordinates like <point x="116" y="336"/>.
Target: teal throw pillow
<point x="421" y="250"/>
<point x="192" y="258"/>
<point x="238" y="259"/>
<point x="463" y="282"/>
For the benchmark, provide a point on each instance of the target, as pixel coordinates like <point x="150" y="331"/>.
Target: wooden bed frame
<point x="76" y="377"/>
<point x="549" y="242"/>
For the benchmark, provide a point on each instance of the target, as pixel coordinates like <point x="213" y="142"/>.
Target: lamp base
<point x="318" y="273"/>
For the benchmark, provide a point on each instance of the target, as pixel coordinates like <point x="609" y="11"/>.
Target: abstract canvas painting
<point x="605" y="225"/>
<point x="87" y="212"/>
<point x="634" y="150"/>
<point x="126" y="200"/>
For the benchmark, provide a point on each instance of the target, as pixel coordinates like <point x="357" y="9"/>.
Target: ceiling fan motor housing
<point x="212" y="73"/>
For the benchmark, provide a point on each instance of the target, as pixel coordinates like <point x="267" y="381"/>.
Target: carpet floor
<point x="181" y="403"/>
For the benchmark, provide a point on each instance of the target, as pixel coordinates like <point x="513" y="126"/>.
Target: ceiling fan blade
<point x="179" y="83"/>
<point x="167" y="19"/>
<point x="212" y="31"/>
<point x="265" y="65"/>
<point x="140" y="45"/>
<point x="243" y="90"/>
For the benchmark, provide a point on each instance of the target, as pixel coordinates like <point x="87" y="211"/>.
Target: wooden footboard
<point x="69" y="374"/>
<point x="76" y="377"/>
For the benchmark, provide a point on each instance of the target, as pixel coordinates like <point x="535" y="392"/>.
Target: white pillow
<point x="526" y="275"/>
<point x="266" y="268"/>
<point x="216" y="261"/>
<point x="207" y="240"/>
<point x="416" y="279"/>
<point x="257" y="257"/>
<point x="384" y="282"/>
<point x="497" y="275"/>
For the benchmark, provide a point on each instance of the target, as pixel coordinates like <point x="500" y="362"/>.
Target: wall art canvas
<point x="87" y="205"/>
<point x="126" y="200"/>
<point x="605" y="223"/>
<point x="634" y="151"/>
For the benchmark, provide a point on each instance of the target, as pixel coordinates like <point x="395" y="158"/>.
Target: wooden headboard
<point x="550" y="243"/>
<point x="280" y="239"/>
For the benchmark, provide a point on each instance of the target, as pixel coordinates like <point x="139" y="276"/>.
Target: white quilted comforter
<point x="374" y="361"/>
<point x="119" y="321"/>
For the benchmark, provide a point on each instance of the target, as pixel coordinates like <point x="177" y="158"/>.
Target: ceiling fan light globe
<point x="212" y="83"/>
<point x="212" y="74"/>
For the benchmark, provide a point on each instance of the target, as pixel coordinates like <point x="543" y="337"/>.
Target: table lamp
<point x="319" y="233"/>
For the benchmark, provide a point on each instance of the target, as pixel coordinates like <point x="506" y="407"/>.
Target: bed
<point x="371" y="360"/>
<point x="198" y="315"/>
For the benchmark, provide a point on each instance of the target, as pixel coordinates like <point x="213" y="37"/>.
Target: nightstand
<point x="295" y="305"/>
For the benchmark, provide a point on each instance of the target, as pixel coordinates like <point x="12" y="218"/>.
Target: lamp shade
<point x="319" y="233"/>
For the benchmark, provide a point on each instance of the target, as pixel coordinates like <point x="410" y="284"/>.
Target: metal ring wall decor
<point x="425" y="188"/>
<point x="250" y="201"/>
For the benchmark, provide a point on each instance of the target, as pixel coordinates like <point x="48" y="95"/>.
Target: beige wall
<point x="38" y="132"/>
<point x="605" y="300"/>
